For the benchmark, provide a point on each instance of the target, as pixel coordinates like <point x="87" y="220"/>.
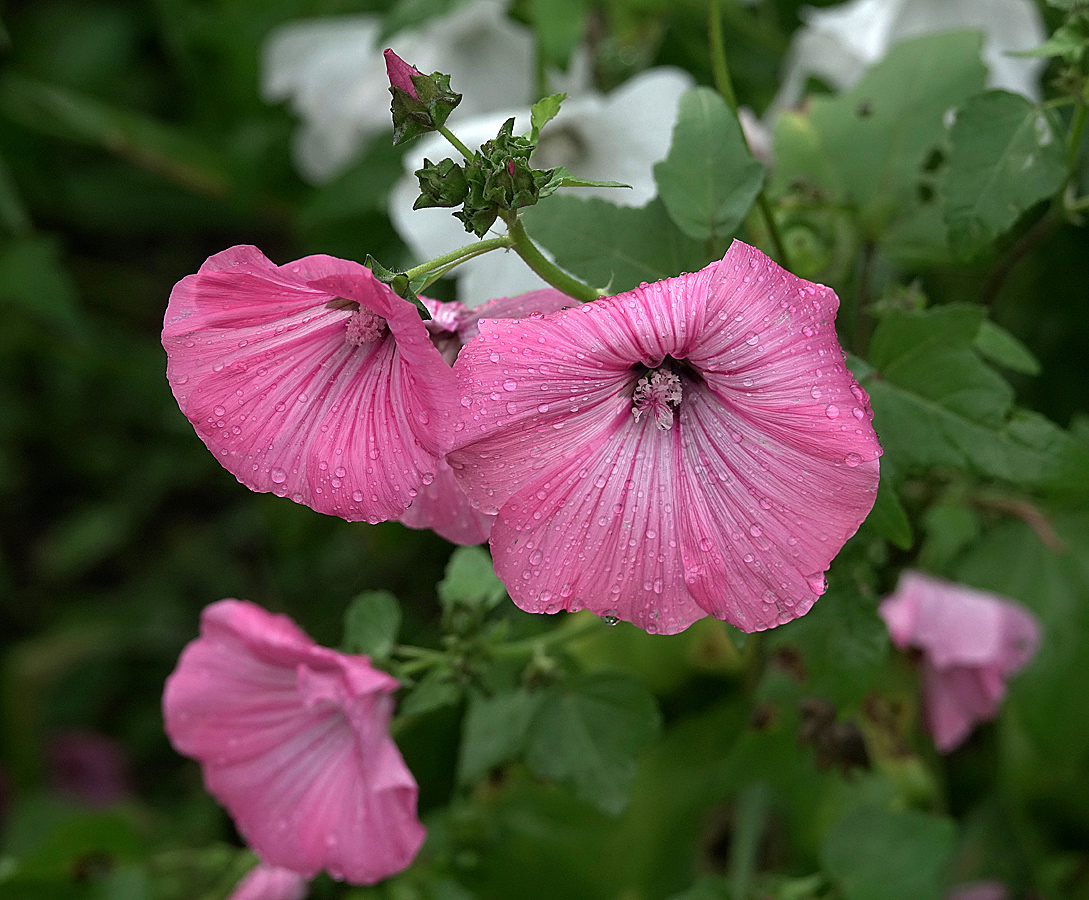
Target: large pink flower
<point x="692" y="447"/>
<point x="971" y="642"/>
<point x="312" y="380"/>
<point x="442" y="505"/>
<point x="293" y="740"/>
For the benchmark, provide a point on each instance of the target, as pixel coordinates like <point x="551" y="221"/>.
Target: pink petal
<point x="519" y="306"/>
<point x="981" y="890"/>
<point x="270" y="883"/>
<point x="955" y="625"/>
<point x="260" y="365"/>
<point x="441" y="505"/>
<point x="957" y="699"/>
<point x="736" y="510"/>
<point x="293" y="740"/>
<point x="400" y="73"/>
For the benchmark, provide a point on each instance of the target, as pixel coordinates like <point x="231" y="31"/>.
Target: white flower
<point x="838" y="43"/>
<point x="618" y="137"/>
<point x="333" y="73"/>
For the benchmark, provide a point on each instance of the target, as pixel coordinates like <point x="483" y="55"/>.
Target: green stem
<point x="1077" y="130"/>
<point x="539" y="263"/>
<point x="725" y="87"/>
<point x="451" y="259"/>
<point x="453" y="139"/>
<point x="569" y="631"/>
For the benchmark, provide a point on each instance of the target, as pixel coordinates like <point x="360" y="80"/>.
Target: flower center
<point x="365" y="327"/>
<point x="657" y="393"/>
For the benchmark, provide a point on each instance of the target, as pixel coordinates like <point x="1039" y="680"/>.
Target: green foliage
<point x="709" y="180"/>
<point x="495" y="731"/>
<point x="937" y="403"/>
<point x="874" y="854"/>
<point x="470" y="581"/>
<point x="614" y="246"/>
<point x="1006" y="155"/>
<point x="371" y="624"/>
<point x="589" y="733"/>
<point x="868" y="147"/>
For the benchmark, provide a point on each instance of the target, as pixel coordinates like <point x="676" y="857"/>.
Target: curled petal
<point x="293" y="740"/>
<point x="260" y="361"/>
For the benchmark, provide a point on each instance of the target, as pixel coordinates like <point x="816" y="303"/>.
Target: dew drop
<point x="852" y="460"/>
<point x="832" y="411"/>
<point x="706" y="544"/>
<point x="510" y="385"/>
<point x="610" y="617"/>
<point x="278" y="476"/>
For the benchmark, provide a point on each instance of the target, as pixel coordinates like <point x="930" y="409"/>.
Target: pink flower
<point x="971" y="642"/>
<point x="312" y="380"/>
<point x="400" y="73"/>
<point x="89" y="767"/>
<point x="692" y="447"/>
<point x="442" y="505"/>
<point x="270" y="883"/>
<point x="293" y="740"/>
<point x="981" y="890"/>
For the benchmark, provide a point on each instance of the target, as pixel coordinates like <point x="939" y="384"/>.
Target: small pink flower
<point x="442" y="505"/>
<point x="90" y="768"/>
<point x="293" y="740"/>
<point x="270" y="883"/>
<point x="312" y="380"/>
<point x="693" y="447"/>
<point x="981" y="890"/>
<point x="971" y="642"/>
<point x="400" y="73"/>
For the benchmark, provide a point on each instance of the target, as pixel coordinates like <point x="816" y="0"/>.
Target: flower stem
<point x="1077" y="131"/>
<point x="572" y="629"/>
<point x="539" y="263"/>
<point x="453" y="139"/>
<point x="725" y="87"/>
<point x="448" y="260"/>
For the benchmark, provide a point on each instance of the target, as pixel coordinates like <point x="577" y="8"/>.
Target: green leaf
<point x="614" y="246"/>
<point x="1007" y="155"/>
<point x="33" y="279"/>
<point x="888" y="516"/>
<point x="590" y="733"/>
<point x="999" y="346"/>
<point x="434" y="691"/>
<point x="560" y="25"/>
<point x="867" y="148"/>
<point x="470" y="580"/>
<point x="494" y="732"/>
<point x="542" y="112"/>
<point x="843" y="643"/>
<point x="560" y="177"/>
<point x="709" y="180"/>
<point x="936" y="403"/>
<point x="876" y="854"/>
<point x="371" y="624"/>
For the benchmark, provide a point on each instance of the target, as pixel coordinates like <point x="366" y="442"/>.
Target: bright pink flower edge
<point x="972" y="641"/>
<point x="293" y="739"/>
<point x="730" y="498"/>
<point x="311" y="380"/>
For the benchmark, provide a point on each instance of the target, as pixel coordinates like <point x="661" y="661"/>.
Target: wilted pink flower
<point x="692" y="447"/>
<point x="442" y="505"/>
<point x="293" y="740"/>
<point x="312" y="380"/>
<point x="400" y="73"/>
<point x="89" y="767"/>
<point x="270" y="883"/>
<point x="980" y="890"/>
<point x="971" y="642"/>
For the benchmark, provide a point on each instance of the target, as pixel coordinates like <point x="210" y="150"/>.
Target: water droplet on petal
<point x="510" y="385"/>
<point x="278" y="476"/>
<point x="832" y="411"/>
<point x="610" y="617"/>
<point x="852" y="460"/>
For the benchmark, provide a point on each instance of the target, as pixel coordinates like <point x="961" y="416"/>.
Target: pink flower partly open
<point x="971" y="642"/>
<point x="312" y="380"/>
<point x="293" y="740"/>
<point x="693" y="447"/>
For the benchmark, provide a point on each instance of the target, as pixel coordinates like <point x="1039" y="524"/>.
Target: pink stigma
<point x="657" y="393"/>
<point x="365" y="327"/>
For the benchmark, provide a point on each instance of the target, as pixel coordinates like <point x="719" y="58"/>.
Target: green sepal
<point x="560" y="177"/>
<point x="443" y="184"/>
<point x="427" y="112"/>
<point x="400" y="283"/>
